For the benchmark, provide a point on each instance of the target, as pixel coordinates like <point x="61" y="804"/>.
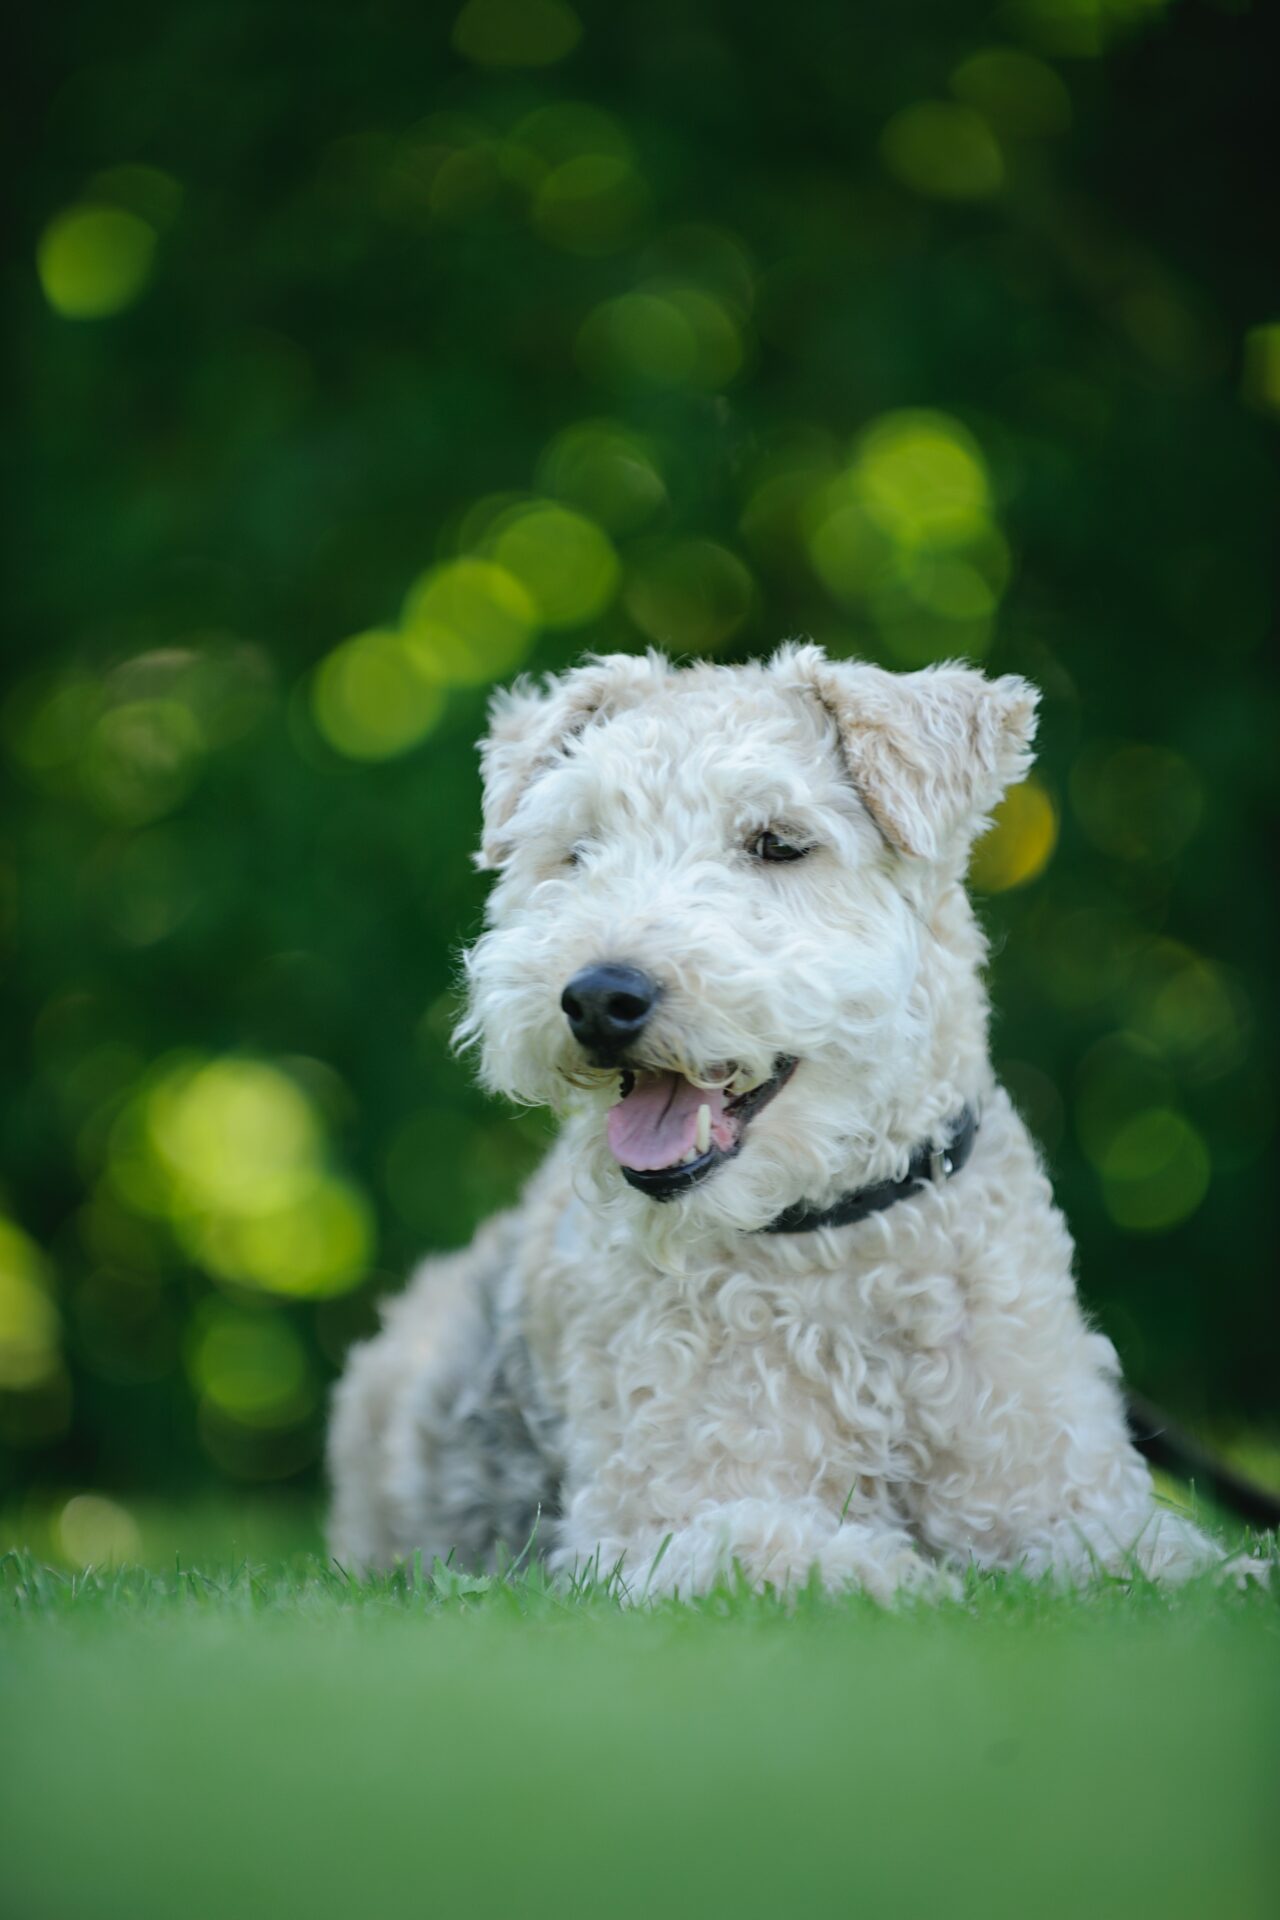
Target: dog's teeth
<point x="702" y="1139"/>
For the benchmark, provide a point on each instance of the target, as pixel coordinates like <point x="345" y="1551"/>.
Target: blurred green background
<point x="371" y="353"/>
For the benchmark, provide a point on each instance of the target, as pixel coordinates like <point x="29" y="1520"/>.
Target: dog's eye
<point x="772" y="846"/>
<point x="573" y="858"/>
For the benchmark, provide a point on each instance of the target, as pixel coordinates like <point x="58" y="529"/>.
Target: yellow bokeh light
<point x="234" y="1135"/>
<point x="948" y="585"/>
<point x="844" y="546"/>
<point x="906" y="531"/>
<point x="232" y="1154"/>
<point x="1020" y="841"/>
<point x="479" y="519"/>
<point x="29" y="1322"/>
<point x="516" y="33"/>
<point x="468" y="622"/>
<point x="370" y="698"/>
<point x="1260" y="377"/>
<point x="906" y="534"/>
<point x="1155" y="1172"/>
<point x="922" y="479"/>
<point x="315" y="1245"/>
<point x="638" y="337"/>
<point x="605" y="470"/>
<point x="251" y="1367"/>
<point x="94" y="261"/>
<point x="946" y="152"/>
<point x="691" y="596"/>
<point x="94" y="1531"/>
<point x="566" y="565"/>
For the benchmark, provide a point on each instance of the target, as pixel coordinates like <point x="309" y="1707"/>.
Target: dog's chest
<point x="799" y="1376"/>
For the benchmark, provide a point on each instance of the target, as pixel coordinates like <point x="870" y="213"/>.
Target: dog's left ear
<point x="930" y="753"/>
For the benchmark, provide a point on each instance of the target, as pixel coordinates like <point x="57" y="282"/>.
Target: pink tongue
<point x="657" y="1123"/>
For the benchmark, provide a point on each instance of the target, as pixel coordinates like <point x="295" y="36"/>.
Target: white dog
<point x="790" y="1294"/>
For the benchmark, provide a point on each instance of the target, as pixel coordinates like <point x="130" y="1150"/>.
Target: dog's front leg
<point x="778" y="1544"/>
<point x="1047" y="1483"/>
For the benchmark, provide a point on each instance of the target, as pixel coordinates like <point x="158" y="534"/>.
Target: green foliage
<point x="372" y="356"/>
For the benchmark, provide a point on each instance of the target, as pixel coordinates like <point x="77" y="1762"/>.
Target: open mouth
<point x="667" y="1134"/>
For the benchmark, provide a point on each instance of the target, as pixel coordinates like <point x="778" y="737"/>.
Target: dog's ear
<point x="532" y="723"/>
<point x="930" y="753"/>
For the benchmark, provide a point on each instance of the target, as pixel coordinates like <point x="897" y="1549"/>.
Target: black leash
<point x="1174" y="1450"/>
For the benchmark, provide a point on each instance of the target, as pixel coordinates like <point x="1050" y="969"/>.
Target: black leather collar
<point x="929" y="1163"/>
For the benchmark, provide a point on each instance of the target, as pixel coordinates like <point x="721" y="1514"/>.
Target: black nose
<point x="607" y="1007"/>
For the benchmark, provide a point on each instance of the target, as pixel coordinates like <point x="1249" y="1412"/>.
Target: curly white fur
<point x="881" y="1403"/>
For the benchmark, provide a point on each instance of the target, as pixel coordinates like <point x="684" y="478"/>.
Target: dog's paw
<point x="1245" y="1570"/>
<point x="887" y="1567"/>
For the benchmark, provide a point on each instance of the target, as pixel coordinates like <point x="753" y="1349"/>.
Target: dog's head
<point x="728" y="930"/>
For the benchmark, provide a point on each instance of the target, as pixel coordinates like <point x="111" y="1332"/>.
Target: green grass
<point x="278" y="1739"/>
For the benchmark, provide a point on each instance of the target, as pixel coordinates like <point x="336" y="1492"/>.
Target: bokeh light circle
<point x="590" y="205"/>
<point x="690" y="596"/>
<point x="371" y="699"/>
<point x="1156" y="1172"/>
<point x="94" y="261"/>
<point x="469" y="621"/>
<point x="29" y="1321"/>
<point x="231" y="1153"/>
<point x="922" y="479"/>
<point x="1019" y="844"/>
<point x="565" y="563"/>
<point x="607" y="472"/>
<point x="945" y="152"/>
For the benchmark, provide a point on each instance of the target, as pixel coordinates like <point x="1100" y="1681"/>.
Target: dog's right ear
<point x="931" y="752"/>
<point x="532" y="723"/>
